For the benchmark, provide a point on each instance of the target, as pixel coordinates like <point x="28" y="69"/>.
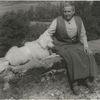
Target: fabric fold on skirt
<point x="79" y="64"/>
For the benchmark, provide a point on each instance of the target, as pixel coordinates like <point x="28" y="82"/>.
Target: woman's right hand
<point x="87" y="50"/>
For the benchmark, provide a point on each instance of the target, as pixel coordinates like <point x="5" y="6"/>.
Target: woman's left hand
<point x="87" y="50"/>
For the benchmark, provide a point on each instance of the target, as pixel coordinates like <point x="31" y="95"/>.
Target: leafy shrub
<point x="14" y="26"/>
<point x="85" y="10"/>
<point x="30" y="14"/>
<point x="46" y="11"/>
<point x="36" y="29"/>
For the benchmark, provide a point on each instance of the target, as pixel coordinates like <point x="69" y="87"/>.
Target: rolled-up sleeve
<point x="83" y="37"/>
<point x="52" y="28"/>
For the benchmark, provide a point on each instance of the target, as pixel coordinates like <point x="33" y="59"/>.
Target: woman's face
<point x="68" y="12"/>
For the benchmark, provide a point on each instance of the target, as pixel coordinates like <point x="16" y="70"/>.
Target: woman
<point x="71" y="43"/>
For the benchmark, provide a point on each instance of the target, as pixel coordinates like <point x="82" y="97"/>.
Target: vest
<point x="61" y="35"/>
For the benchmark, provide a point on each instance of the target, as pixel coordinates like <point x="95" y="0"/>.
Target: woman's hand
<point x="87" y="50"/>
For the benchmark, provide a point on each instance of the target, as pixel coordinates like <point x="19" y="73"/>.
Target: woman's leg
<point x="79" y="65"/>
<point x="73" y="85"/>
<point x="91" y="84"/>
<point x="75" y="88"/>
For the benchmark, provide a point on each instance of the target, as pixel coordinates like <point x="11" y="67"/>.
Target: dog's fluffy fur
<point x="37" y="49"/>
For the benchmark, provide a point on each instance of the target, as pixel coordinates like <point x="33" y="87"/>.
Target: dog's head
<point x="46" y="41"/>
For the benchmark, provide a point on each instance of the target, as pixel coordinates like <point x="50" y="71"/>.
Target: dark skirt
<point x="79" y="64"/>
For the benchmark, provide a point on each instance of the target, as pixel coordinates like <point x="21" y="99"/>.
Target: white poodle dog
<point x="37" y="49"/>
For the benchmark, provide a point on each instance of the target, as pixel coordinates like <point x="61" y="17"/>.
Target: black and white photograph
<point x="49" y="50"/>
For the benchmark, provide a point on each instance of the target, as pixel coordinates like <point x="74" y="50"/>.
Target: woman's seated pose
<point x="70" y="42"/>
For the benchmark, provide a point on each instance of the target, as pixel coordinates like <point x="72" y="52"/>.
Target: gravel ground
<point x="49" y="87"/>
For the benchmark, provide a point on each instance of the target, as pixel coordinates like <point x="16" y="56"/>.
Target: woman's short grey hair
<point x="69" y="4"/>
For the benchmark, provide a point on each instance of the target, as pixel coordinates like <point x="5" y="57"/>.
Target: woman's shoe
<point x="76" y="90"/>
<point x="90" y="86"/>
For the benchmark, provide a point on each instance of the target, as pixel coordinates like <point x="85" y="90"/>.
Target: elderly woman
<point x="71" y="43"/>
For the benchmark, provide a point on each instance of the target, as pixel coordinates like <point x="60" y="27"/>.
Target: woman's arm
<point x="83" y="39"/>
<point x="52" y="28"/>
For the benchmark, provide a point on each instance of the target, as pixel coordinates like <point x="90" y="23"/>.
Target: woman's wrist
<point x="85" y="46"/>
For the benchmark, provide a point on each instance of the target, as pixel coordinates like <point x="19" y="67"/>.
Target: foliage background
<point x="27" y="25"/>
